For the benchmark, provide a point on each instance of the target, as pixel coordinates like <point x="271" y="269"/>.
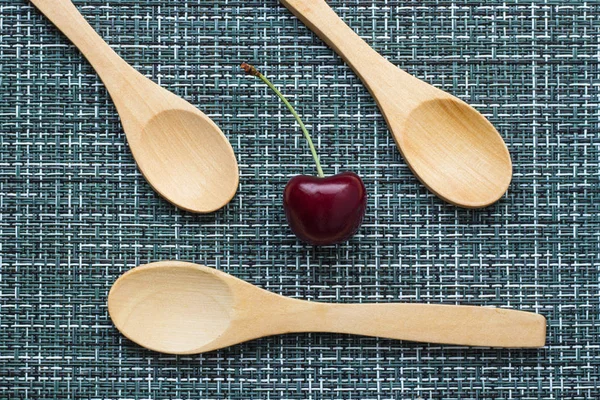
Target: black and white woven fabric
<point x="75" y="213"/>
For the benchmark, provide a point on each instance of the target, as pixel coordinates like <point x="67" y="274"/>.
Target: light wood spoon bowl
<point x="453" y="149"/>
<point x="183" y="308"/>
<point x="181" y="152"/>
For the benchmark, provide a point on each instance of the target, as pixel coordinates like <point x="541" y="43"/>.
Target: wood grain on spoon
<point x="180" y="151"/>
<point x="449" y="146"/>
<point x="184" y="308"/>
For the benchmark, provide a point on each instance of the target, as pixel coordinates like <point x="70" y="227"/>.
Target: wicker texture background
<point x="75" y="213"/>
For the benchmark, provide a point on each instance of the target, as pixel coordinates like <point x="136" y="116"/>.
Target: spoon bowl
<point x="195" y="307"/>
<point x="453" y="150"/>
<point x="195" y="169"/>
<point x="183" y="308"/>
<point x="180" y="151"/>
<point x="457" y="151"/>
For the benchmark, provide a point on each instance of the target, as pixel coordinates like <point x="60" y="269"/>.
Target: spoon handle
<point x="111" y="68"/>
<point x="367" y="63"/>
<point x="432" y="323"/>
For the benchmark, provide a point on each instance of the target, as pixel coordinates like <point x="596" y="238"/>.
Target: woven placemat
<point x="75" y="213"/>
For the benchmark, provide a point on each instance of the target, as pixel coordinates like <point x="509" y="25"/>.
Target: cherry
<point x="320" y="210"/>
<point x="323" y="211"/>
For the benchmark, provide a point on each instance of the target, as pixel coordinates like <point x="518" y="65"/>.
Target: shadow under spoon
<point x="453" y="149"/>
<point x="183" y="308"/>
<point x="180" y="151"/>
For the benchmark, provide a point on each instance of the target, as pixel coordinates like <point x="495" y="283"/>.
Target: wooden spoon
<point x="448" y="145"/>
<point x="183" y="308"/>
<point x="182" y="153"/>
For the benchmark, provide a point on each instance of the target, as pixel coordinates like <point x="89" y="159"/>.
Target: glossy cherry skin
<point x="323" y="211"/>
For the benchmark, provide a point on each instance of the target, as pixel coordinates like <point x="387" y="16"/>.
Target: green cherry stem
<point x="251" y="70"/>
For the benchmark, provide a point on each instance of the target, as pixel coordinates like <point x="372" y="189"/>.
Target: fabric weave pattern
<point x="75" y="213"/>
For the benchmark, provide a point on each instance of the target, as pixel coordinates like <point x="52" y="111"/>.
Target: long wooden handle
<point x="113" y="70"/>
<point x="367" y="63"/>
<point x="459" y="325"/>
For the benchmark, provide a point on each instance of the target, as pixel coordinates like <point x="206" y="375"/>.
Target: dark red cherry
<point x="320" y="210"/>
<point x="324" y="211"/>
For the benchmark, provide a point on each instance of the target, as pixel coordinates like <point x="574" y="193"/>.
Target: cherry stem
<point x="251" y="70"/>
